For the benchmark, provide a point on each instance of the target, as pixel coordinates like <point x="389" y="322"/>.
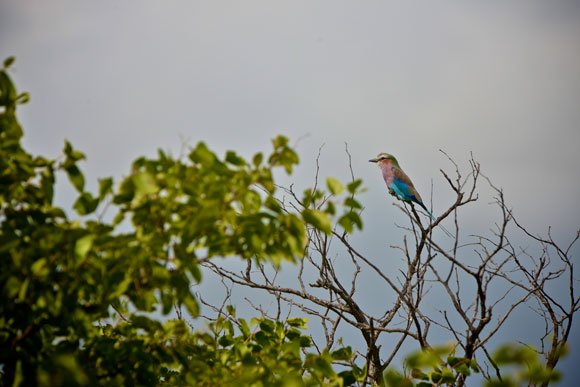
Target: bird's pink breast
<point x="386" y="167"/>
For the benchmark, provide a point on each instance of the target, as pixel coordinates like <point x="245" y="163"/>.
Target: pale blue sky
<point x="122" y="78"/>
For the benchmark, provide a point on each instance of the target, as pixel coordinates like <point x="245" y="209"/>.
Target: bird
<point x="398" y="183"/>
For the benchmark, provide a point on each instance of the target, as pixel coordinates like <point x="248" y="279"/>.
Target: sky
<point x="120" y="79"/>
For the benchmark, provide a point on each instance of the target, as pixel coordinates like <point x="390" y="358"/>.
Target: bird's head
<point x="384" y="157"/>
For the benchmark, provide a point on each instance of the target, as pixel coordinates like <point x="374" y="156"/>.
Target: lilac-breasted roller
<point x="398" y="182"/>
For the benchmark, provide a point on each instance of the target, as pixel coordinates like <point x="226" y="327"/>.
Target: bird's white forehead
<point x="384" y="155"/>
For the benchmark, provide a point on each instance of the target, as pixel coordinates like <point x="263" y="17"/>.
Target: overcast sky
<point x="500" y="79"/>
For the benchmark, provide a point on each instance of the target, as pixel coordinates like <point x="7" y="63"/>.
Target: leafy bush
<point x="78" y="292"/>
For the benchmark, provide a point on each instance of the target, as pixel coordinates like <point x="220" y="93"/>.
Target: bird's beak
<point x="373" y="160"/>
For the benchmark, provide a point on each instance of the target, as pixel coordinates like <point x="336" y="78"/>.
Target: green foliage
<point x="320" y="207"/>
<point x="519" y="365"/>
<point x="318" y="219"/>
<point x="525" y="365"/>
<point x="77" y="292"/>
<point x="432" y="366"/>
<point x="334" y="186"/>
<point x="263" y="352"/>
<point x="230" y="352"/>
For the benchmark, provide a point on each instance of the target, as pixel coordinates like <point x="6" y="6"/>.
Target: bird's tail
<point x="433" y="218"/>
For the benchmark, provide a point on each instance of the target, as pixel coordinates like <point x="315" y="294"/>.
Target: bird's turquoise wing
<point x="404" y="188"/>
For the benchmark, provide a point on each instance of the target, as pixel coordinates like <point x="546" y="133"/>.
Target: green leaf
<point x="463" y="369"/>
<point x="69" y="364"/>
<point x="244" y="328"/>
<point x="349" y="220"/>
<point x="334" y="186"/>
<point x="23" y="289"/>
<point x="352" y="203"/>
<point x="283" y="155"/>
<point x="257" y="159"/>
<point x="272" y="204"/>
<point x="447" y="376"/>
<point x="195" y="273"/>
<point x="418" y="374"/>
<point x="233" y="158"/>
<point x="318" y="219"/>
<point x="76" y="177"/>
<point x="307" y="197"/>
<point x="321" y="365"/>
<point x="514" y="354"/>
<point x="394" y="378"/>
<point x="280" y="141"/>
<point x="297" y="322"/>
<point x="86" y="204"/>
<point x="436" y="377"/>
<point x="145" y="323"/>
<point x="40" y="268"/>
<point x="8" y="62"/>
<point x="7" y="90"/>
<point x="231" y="310"/>
<point x="359" y="373"/>
<point x="348" y="378"/>
<point x="144" y="184"/>
<point x="105" y="187"/>
<point x="47" y="184"/>
<point x="12" y="286"/>
<point x="344" y="353"/>
<point x="226" y="340"/>
<point x="202" y="155"/>
<point x="267" y="325"/>
<point x="72" y="154"/>
<point x="191" y="305"/>
<point x="126" y="192"/>
<point x="118" y="285"/>
<point x="428" y="358"/>
<point x="305" y="341"/>
<point x="330" y="208"/>
<point x="23" y="98"/>
<point x="353" y="186"/>
<point x="83" y="246"/>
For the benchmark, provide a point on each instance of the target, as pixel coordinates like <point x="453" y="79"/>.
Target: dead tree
<point x="484" y="279"/>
